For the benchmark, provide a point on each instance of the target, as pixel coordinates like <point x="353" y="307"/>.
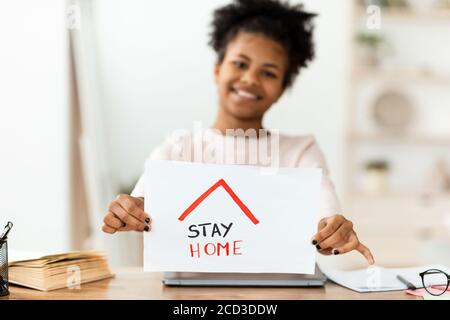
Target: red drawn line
<point x="199" y="200"/>
<point x="238" y="201"/>
<point x="220" y="183"/>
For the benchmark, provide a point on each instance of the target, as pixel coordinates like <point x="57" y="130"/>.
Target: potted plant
<point x="370" y="45"/>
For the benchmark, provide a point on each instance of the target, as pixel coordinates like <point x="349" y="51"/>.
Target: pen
<point x="5" y="233"/>
<point x="6" y="230"/>
<point x="406" y="282"/>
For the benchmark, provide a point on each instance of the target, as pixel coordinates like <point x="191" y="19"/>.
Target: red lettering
<point x="225" y="246"/>
<point x="193" y="251"/>
<point x="236" y="248"/>
<point x="209" y="244"/>
<point x="216" y="249"/>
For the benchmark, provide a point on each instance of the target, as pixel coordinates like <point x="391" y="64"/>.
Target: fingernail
<point x="335" y="251"/>
<point x="147" y="221"/>
<point x="318" y="247"/>
<point x="314" y="242"/>
<point x="147" y="228"/>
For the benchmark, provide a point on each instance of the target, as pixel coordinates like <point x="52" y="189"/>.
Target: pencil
<point x="406" y="282"/>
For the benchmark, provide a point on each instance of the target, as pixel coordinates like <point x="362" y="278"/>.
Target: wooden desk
<point x="133" y="283"/>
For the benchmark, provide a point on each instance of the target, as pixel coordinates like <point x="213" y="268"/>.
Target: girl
<point x="261" y="45"/>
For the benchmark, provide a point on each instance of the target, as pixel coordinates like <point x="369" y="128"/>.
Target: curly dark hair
<point x="288" y="25"/>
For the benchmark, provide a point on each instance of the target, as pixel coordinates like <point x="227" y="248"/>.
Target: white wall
<point x="34" y="124"/>
<point x="156" y="73"/>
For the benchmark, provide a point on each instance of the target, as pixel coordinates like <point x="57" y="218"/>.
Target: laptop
<point x="206" y="279"/>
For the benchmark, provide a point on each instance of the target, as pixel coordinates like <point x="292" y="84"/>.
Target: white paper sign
<point x="230" y="218"/>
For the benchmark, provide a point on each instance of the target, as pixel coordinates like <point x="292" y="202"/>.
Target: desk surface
<point x="133" y="283"/>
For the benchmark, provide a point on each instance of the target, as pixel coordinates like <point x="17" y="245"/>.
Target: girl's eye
<point x="240" y="65"/>
<point x="269" y="74"/>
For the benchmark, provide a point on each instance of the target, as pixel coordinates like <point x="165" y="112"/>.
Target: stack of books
<point x="66" y="270"/>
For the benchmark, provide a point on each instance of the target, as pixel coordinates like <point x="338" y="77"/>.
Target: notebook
<point x="55" y="271"/>
<point x="374" y="279"/>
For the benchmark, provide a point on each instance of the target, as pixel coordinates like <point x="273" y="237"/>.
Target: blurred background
<point x="88" y="88"/>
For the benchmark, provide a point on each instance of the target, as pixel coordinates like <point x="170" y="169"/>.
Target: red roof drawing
<point x="220" y="183"/>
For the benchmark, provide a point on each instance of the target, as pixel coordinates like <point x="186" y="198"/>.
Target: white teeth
<point x="246" y="94"/>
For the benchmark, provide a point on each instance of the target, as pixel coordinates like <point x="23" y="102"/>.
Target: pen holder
<point x="4" y="284"/>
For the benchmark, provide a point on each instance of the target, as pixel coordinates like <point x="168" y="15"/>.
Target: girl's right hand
<point x="126" y="213"/>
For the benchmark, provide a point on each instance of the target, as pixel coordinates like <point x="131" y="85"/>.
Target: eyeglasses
<point x="435" y="281"/>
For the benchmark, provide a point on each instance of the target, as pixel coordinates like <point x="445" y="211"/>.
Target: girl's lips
<point x="241" y="96"/>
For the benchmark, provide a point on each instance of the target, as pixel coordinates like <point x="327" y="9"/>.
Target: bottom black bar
<point x="260" y="309"/>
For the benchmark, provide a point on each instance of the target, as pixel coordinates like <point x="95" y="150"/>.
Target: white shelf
<point x="360" y="137"/>
<point x="409" y="14"/>
<point x="401" y="74"/>
<point x="417" y="197"/>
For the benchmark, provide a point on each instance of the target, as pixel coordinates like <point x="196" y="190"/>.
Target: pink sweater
<point x="209" y="146"/>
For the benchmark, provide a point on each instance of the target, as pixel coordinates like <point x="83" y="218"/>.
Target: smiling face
<point x="250" y="77"/>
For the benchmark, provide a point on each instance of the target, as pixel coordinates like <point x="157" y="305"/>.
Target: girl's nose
<point x="250" y="78"/>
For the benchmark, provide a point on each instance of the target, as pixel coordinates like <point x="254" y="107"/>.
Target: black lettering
<point x="227" y="228"/>
<point x="215" y="230"/>
<point x="194" y="230"/>
<point x="204" y="227"/>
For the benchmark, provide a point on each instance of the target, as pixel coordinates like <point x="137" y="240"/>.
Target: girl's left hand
<point x="336" y="236"/>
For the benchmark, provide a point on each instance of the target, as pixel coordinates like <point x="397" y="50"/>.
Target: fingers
<point x="112" y="221"/>
<point x="330" y="226"/>
<point x="322" y="224"/>
<point x="132" y="206"/>
<point x="339" y="237"/>
<point x="108" y="229"/>
<point x="128" y="228"/>
<point x="125" y="217"/>
<point x="139" y="202"/>
<point x="336" y="236"/>
<point x="125" y="214"/>
<point x="366" y="253"/>
<point x="354" y="244"/>
<point x="326" y="252"/>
